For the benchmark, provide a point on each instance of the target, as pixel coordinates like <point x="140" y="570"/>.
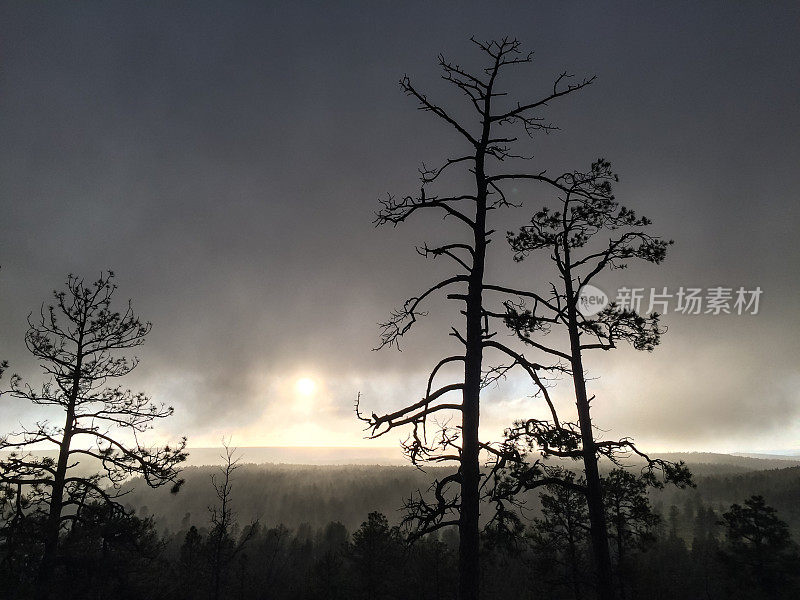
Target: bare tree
<point x="490" y="162"/>
<point x="587" y="234"/>
<point x="79" y="340"/>
<point x="224" y="549"/>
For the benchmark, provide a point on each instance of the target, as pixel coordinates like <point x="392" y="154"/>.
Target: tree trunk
<point x="469" y="566"/>
<point x="594" y="491"/>
<point x="468" y="559"/>
<point x="468" y="525"/>
<point x="594" y="495"/>
<point x="52" y="526"/>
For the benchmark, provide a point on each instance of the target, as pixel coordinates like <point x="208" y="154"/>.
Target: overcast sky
<point x="225" y="160"/>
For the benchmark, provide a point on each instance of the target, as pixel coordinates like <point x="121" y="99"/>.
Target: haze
<point x="225" y="161"/>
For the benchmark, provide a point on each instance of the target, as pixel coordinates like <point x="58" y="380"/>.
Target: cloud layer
<point x="225" y="162"/>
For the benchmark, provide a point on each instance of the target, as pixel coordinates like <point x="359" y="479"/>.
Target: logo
<point x="591" y="300"/>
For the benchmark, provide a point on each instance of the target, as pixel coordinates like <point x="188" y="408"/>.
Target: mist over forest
<point x="315" y="495"/>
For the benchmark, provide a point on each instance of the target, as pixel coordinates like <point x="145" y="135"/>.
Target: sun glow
<point x="305" y="386"/>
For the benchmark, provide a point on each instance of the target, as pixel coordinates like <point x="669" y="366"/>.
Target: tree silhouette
<point x="490" y="162"/>
<point x="331" y="578"/>
<point x="224" y="548"/>
<point x="124" y="557"/>
<point x="375" y="553"/>
<point x="588" y="233"/>
<point x="78" y="340"/>
<point x="191" y="563"/>
<point x="110" y="551"/>
<point x="630" y="516"/>
<point x="559" y="536"/>
<point x="759" y="556"/>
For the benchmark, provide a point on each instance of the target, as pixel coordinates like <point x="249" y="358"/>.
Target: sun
<point x="305" y="386"/>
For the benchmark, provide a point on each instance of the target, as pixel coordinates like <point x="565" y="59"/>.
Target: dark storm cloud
<point x="225" y="158"/>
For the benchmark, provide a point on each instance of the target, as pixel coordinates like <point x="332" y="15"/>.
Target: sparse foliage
<point x="588" y="233"/>
<point x="80" y="340"/>
<point x="224" y="547"/>
<point x="491" y="162"/>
